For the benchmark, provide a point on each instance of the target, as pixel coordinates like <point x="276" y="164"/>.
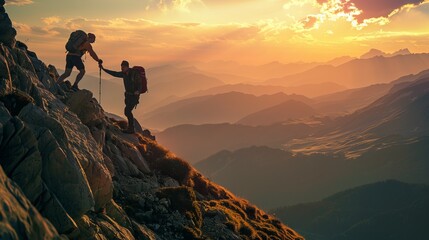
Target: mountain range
<point x="385" y="140"/>
<point x="359" y="72"/>
<point x="197" y="142"/>
<point x="376" y="53"/>
<point x="221" y="108"/>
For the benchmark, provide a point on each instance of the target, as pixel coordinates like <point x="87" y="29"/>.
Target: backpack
<point x="75" y="40"/>
<point x="142" y="73"/>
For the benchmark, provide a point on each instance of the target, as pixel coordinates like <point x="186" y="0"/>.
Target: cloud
<point x="51" y="20"/>
<point x="19" y="2"/>
<point x="166" y="5"/>
<point x="363" y="10"/>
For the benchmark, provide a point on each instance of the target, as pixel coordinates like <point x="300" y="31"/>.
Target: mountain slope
<point x="360" y="72"/>
<point x="273" y="178"/>
<point x="221" y="108"/>
<point x="401" y="113"/>
<point x="89" y="180"/>
<point x="196" y="142"/>
<point x="282" y="112"/>
<point x="389" y="209"/>
<point x="308" y="90"/>
<point x="351" y="100"/>
<point x="385" y="140"/>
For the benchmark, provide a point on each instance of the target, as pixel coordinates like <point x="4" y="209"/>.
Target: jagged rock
<point x="4" y="116"/>
<point x="101" y="226"/>
<point x="18" y="218"/>
<point x="53" y="73"/>
<point x="122" y="165"/>
<point x="144" y="233"/>
<point x="79" y="146"/>
<point x="8" y="33"/>
<point x="15" y="101"/>
<point x="60" y="170"/>
<point x="86" y="107"/>
<point x="5" y="79"/>
<point x="134" y="156"/>
<point x="118" y="214"/>
<point x="22" y="162"/>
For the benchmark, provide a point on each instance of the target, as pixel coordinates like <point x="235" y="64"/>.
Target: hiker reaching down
<point x="78" y="44"/>
<point x="134" y="86"/>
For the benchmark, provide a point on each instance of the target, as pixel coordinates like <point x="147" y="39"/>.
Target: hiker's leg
<point x="129" y="114"/>
<point x="79" y="77"/>
<point x="79" y="65"/>
<point x="65" y="75"/>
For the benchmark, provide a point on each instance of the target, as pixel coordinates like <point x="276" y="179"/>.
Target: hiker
<point x="79" y="43"/>
<point x="133" y="87"/>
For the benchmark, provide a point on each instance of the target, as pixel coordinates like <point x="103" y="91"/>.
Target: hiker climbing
<point x="135" y="83"/>
<point x="78" y="44"/>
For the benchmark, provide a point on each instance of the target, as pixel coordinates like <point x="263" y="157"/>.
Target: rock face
<point x="88" y="180"/>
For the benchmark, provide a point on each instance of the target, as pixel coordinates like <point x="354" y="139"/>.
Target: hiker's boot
<point x="75" y="88"/>
<point x="130" y="129"/>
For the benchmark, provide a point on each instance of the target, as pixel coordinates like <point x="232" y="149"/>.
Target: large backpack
<point x="142" y="73"/>
<point x="75" y="40"/>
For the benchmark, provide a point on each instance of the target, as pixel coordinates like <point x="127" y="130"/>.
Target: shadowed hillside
<point x="280" y="113"/>
<point x="197" y="142"/>
<point x="62" y="157"/>
<point x="221" y="108"/>
<point x="383" y="210"/>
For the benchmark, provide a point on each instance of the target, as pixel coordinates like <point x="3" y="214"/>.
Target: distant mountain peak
<point x="378" y="53"/>
<point x="404" y="51"/>
<point x="372" y="53"/>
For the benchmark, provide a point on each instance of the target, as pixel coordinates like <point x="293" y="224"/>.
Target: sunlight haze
<point x="247" y="31"/>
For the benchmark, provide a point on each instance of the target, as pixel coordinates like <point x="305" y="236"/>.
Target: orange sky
<point x="152" y="32"/>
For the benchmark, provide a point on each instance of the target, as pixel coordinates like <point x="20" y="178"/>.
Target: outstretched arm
<point x="112" y="73"/>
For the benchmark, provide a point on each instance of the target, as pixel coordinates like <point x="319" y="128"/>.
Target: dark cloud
<point x="374" y="8"/>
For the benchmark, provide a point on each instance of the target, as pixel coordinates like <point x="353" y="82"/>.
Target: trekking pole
<point x="99" y="89"/>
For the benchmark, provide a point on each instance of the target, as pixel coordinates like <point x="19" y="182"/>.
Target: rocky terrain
<point x="68" y="172"/>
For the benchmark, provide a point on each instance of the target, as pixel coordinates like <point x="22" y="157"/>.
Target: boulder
<point x="18" y="218"/>
<point x="22" y="162"/>
<point x="86" y="107"/>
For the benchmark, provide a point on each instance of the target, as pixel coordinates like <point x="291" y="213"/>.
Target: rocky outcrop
<point x="18" y="218"/>
<point x="8" y="32"/>
<point x="89" y="180"/>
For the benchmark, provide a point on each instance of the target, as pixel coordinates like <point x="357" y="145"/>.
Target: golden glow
<point x="248" y="31"/>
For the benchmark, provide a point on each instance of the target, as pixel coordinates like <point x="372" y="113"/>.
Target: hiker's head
<point x="125" y="66"/>
<point x="91" y="37"/>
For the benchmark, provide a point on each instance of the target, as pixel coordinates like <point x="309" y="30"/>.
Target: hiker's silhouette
<point x="78" y="44"/>
<point x="133" y="83"/>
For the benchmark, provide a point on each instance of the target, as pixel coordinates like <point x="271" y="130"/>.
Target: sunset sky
<point x="152" y="32"/>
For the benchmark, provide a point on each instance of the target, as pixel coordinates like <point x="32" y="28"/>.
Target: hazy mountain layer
<point x="382" y="210"/>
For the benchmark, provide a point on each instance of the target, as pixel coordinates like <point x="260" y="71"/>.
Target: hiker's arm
<point x="92" y="53"/>
<point x="113" y="73"/>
